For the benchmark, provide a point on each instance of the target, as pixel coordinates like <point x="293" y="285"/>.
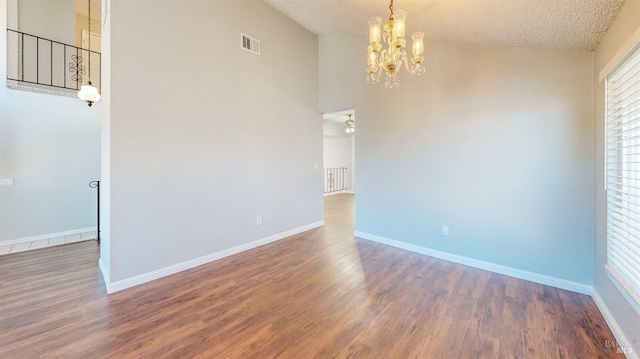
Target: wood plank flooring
<point x="320" y="294"/>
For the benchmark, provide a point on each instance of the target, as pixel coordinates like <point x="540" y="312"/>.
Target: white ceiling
<point x="564" y="24"/>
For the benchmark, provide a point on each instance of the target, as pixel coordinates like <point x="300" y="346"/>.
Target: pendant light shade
<point x="89" y="94"/>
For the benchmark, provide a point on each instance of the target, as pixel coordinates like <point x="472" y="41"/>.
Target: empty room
<point x="320" y="179"/>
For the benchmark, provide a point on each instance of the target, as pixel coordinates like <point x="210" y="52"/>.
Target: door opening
<point x="339" y="132"/>
<point x="338" y="152"/>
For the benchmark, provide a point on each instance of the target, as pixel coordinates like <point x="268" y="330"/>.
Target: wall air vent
<point x="250" y="44"/>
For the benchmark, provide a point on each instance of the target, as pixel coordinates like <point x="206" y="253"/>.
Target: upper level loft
<point x="53" y="46"/>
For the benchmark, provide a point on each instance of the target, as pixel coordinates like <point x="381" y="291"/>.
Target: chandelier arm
<point x="409" y="69"/>
<point x="379" y="63"/>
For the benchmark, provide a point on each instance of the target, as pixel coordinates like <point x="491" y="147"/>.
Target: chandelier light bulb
<point x="418" y="43"/>
<point x="374" y="29"/>
<point x="399" y="23"/>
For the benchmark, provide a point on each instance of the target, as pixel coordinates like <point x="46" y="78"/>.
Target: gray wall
<point x="205" y="136"/>
<point x="626" y="23"/>
<point x="496" y="143"/>
<point x="50" y="146"/>
<point x="51" y="19"/>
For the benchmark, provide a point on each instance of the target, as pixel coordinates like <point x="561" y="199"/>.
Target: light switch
<point x="6" y="182"/>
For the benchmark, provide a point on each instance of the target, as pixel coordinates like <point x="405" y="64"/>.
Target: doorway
<point x="338" y="152"/>
<point x="339" y="132"/>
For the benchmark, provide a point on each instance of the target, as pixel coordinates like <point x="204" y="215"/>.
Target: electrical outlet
<point x="259" y="221"/>
<point x="6" y="182"/>
<point x="445" y="230"/>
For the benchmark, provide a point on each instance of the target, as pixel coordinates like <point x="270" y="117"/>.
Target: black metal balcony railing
<point x="334" y="179"/>
<point x="35" y="60"/>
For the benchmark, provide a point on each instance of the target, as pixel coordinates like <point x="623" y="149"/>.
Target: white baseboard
<point x="338" y="192"/>
<point x="621" y="339"/>
<point x="492" y="267"/>
<point x="163" y="272"/>
<point x="46" y="236"/>
<point x="104" y="271"/>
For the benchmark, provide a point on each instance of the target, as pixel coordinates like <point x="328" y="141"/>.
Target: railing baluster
<point x="78" y="64"/>
<point x="25" y="59"/>
<point x="334" y="179"/>
<point x="37" y="60"/>
<point x="22" y="57"/>
<point x="51" y="62"/>
<point x="64" y="65"/>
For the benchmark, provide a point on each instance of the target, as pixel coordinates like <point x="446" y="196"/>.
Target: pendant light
<point x="88" y="92"/>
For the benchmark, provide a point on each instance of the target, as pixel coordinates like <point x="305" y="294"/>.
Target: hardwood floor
<point x="320" y="294"/>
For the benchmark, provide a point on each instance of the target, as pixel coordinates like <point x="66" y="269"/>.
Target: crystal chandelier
<point x="88" y="92"/>
<point x="392" y="58"/>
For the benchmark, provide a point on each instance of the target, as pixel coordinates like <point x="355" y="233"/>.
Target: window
<point x="623" y="175"/>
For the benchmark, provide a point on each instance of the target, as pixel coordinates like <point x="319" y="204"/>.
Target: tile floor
<point x="49" y="242"/>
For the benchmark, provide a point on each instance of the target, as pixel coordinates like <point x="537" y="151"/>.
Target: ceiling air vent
<point x="250" y="44"/>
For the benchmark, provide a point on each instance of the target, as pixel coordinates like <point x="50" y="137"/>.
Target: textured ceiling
<point x="564" y="24"/>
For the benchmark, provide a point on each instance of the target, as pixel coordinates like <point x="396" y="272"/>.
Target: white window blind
<point x="623" y="174"/>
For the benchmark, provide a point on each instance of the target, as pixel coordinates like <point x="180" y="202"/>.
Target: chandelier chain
<point x="89" y="40"/>
<point x="89" y="24"/>
<point x="391" y="9"/>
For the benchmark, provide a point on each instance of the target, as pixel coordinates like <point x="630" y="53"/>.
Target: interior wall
<point x="50" y="146"/>
<point x="495" y="143"/>
<point x="330" y="128"/>
<point x="105" y="146"/>
<point x="206" y="136"/>
<point x="627" y="23"/>
<point x="82" y="19"/>
<point x="82" y="24"/>
<point x="51" y="19"/>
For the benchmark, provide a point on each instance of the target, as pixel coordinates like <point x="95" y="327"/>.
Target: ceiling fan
<point x="350" y="125"/>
